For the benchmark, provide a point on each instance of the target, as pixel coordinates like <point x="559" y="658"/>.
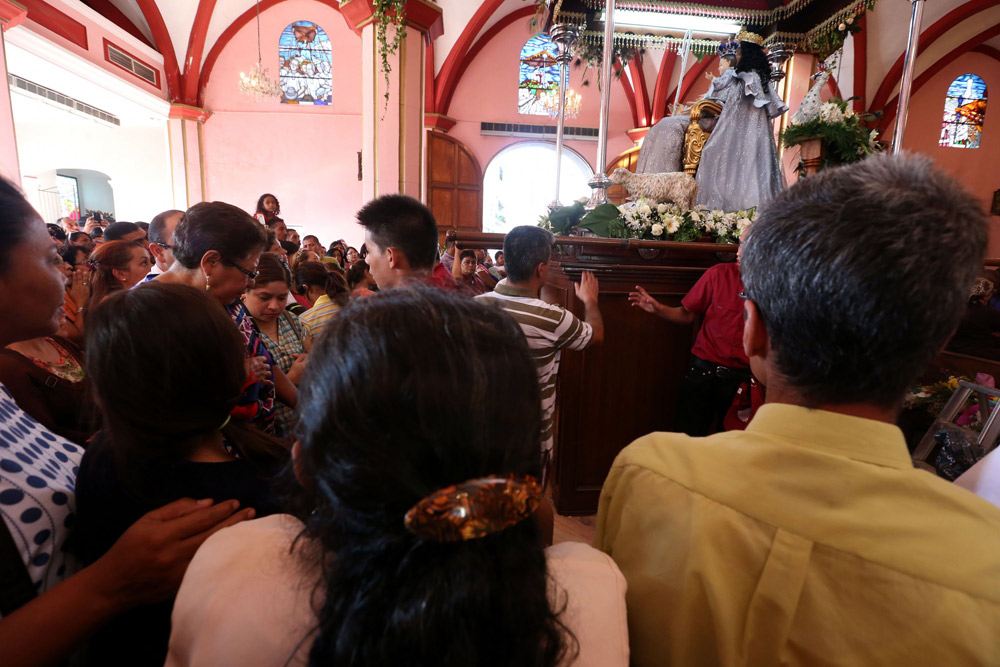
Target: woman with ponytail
<point x="325" y="289"/>
<point x="413" y="539"/>
<point x="166" y="367"/>
<point x="115" y="265"/>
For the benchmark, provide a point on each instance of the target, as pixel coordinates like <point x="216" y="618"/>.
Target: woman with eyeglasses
<point x="216" y="249"/>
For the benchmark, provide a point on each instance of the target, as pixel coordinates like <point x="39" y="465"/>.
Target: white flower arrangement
<point x="668" y="222"/>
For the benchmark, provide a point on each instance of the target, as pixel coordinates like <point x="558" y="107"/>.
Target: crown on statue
<point x="728" y="48"/>
<point x="751" y="37"/>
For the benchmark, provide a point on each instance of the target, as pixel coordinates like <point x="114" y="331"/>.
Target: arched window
<point x="305" y="64"/>
<point x="515" y="194"/>
<point x="964" y="111"/>
<point x="539" y="74"/>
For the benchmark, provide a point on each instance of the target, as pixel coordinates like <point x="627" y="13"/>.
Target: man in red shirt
<point x="718" y="363"/>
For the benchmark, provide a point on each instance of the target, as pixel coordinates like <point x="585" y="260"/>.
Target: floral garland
<point x="650" y="221"/>
<point x="843" y="133"/>
<point x="389" y="12"/>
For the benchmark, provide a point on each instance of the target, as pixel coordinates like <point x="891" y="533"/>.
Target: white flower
<point x="673" y="225"/>
<point x="623" y="209"/>
<point x="657" y="230"/>
<point x="662" y="208"/>
<point x="695" y="216"/>
<point x="742" y="224"/>
<point x="831" y="113"/>
<point x="873" y="139"/>
<point x="841" y="27"/>
<point x="644" y="209"/>
<point x="850" y="20"/>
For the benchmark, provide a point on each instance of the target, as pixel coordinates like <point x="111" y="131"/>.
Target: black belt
<point x="718" y="370"/>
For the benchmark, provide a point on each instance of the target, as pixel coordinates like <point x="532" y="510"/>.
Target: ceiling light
<point x="631" y="18"/>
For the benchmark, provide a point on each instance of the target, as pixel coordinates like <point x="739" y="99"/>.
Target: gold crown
<point x="751" y="37"/>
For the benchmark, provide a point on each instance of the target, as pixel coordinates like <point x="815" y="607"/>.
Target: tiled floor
<point x="574" y="529"/>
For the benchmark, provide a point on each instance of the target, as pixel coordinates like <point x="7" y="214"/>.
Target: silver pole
<point x="906" y="85"/>
<point x="685" y="52"/>
<point x="564" y="35"/>
<point x="600" y="182"/>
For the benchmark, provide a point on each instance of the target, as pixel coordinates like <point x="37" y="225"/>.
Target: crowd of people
<point x="221" y="443"/>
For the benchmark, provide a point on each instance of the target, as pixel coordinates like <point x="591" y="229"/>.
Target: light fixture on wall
<point x="258" y="84"/>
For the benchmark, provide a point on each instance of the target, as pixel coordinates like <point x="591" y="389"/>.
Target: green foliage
<point x="389" y="12"/>
<point x="843" y="133"/>
<point x="599" y="220"/>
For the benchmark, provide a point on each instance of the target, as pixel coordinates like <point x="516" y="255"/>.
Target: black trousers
<point x="704" y="397"/>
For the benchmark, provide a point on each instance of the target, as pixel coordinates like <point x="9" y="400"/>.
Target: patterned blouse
<point x="256" y="404"/>
<point x="291" y="341"/>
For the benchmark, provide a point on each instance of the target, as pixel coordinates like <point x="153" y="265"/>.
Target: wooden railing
<point x="467" y="239"/>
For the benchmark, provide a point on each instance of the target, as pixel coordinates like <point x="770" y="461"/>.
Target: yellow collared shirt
<point x="808" y="539"/>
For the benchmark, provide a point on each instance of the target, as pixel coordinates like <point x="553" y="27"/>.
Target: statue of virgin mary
<point x="739" y="166"/>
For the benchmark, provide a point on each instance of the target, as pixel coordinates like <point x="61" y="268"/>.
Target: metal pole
<point x="906" y="85"/>
<point x="564" y="35"/>
<point x="685" y="52"/>
<point x="600" y="182"/>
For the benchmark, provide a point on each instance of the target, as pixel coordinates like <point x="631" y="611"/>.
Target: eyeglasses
<point x="162" y="245"/>
<point x="251" y="275"/>
<point x="743" y="295"/>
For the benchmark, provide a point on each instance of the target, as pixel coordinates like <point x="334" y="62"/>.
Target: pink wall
<point x="977" y="169"/>
<point x="488" y="93"/>
<point x="98" y="29"/>
<point x="305" y="155"/>
<point x="9" y="168"/>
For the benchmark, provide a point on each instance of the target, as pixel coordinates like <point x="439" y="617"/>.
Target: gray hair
<point x="524" y="248"/>
<point x="861" y="273"/>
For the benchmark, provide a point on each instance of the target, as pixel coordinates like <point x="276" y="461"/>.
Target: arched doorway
<point x="519" y="184"/>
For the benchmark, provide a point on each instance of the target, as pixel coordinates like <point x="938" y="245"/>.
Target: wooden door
<point x="454" y="183"/>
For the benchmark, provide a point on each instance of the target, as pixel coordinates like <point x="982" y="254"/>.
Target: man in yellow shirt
<point x="810" y="539"/>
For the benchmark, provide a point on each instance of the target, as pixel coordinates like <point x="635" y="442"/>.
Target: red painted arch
<point x="196" y="47"/>
<point x="115" y="15"/>
<point x="444" y="103"/>
<point x="629" y="92"/>
<point x="662" y="81"/>
<point x="447" y="78"/>
<point x="228" y="34"/>
<point x="641" y="93"/>
<point x="927" y="37"/>
<point x="987" y="50"/>
<point x="920" y="81"/>
<point x="161" y="37"/>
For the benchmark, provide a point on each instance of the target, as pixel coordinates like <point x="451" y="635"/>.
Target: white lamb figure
<point x="674" y="186"/>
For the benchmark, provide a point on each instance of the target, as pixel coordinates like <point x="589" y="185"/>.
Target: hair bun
<point x="474" y="509"/>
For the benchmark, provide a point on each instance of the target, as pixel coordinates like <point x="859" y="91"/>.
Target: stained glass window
<point x="539" y="75"/>
<point x="964" y="111"/>
<point x="306" y="64"/>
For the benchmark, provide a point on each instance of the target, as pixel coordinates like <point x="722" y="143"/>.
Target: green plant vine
<point x="389" y="12"/>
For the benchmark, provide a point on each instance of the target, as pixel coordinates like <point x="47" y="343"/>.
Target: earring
<point x="207" y="286"/>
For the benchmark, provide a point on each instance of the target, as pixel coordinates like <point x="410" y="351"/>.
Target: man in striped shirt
<point x="548" y="328"/>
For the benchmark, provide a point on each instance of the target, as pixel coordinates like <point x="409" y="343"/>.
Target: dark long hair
<point x="166" y="365"/>
<point x="260" y="204"/>
<point x="316" y="274"/>
<point x="16" y="218"/>
<point x="369" y="451"/>
<point x="752" y="59"/>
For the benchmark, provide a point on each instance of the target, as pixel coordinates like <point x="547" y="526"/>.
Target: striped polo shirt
<point x="548" y="329"/>
<point x="316" y="317"/>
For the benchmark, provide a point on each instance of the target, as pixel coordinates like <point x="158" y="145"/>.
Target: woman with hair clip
<point x="187" y="447"/>
<point x="414" y="539"/>
<point x="216" y="248"/>
<point x="115" y="265"/>
<point x="739" y="166"/>
<point x="284" y="334"/>
<point x="326" y="291"/>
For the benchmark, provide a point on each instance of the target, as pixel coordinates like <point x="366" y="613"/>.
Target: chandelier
<point x="258" y="84"/>
<point x="550" y="102"/>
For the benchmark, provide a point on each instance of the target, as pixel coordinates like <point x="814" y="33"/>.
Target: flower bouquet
<point x="842" y="131"/>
